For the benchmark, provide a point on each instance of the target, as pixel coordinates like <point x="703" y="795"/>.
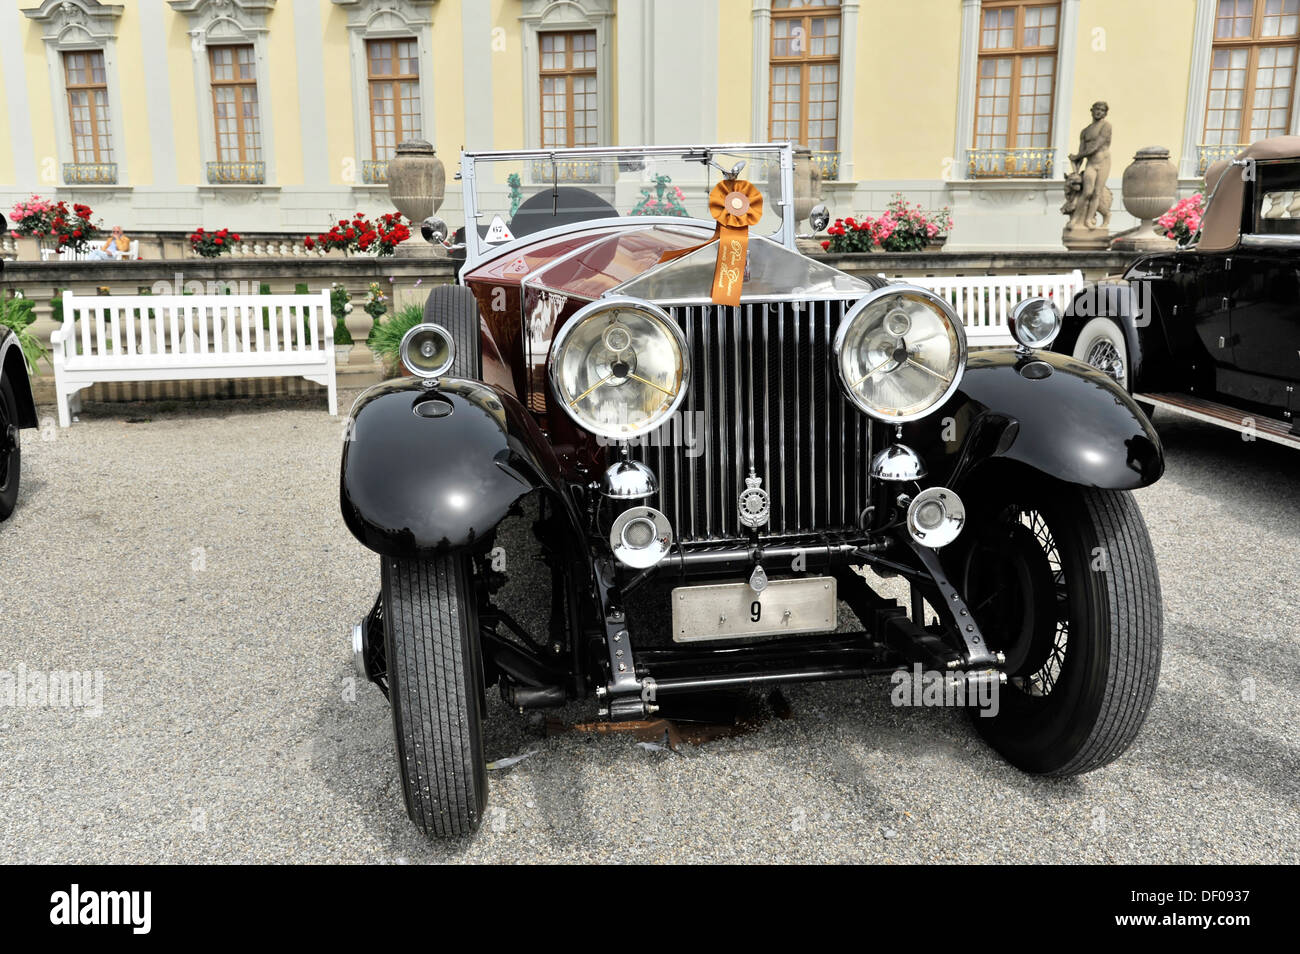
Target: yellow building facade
<point x="279" y="115"/>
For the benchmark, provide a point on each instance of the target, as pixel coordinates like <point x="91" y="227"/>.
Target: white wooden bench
<point x="983" y="302"/>
<point x="72" y="255"/>
<point x="191" y="337"/>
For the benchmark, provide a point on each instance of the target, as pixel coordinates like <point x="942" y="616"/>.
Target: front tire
<point x="436" y="690"/>
<point x="11" y="457"/>
<point x="1063" y="580"/>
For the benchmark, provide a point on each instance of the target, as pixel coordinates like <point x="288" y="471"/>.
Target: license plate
<point x="733" y="610"/>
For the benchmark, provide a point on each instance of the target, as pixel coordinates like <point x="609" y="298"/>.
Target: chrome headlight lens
<point x="619" y="367"/>
<point x="427" y="350"/>
<point x="900" y="352"/>
<point x="1035" y="322"/>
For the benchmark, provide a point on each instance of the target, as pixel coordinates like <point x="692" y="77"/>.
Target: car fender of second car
<point x="1048" y="412"/>
<point x="1130" y="302"/>
<point x="430" y="468"/>
<point x="13" y="368"/>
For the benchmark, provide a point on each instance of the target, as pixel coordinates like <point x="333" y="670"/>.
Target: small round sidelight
<point x="1035" y="323"/>
<point x="935" y="517"/>
<point x="640" y="537"/>
<point x="427" y="350"/>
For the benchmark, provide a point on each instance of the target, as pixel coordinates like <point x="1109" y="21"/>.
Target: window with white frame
<point x="805" y="77"/>
<point x="228" y="41"/>
<point x="391" y="47"/>
<point x="80" y="41"/>
<point x="1014" y="98"/>
<point x="393" y="79"/>
<point x="1252" y="71"/>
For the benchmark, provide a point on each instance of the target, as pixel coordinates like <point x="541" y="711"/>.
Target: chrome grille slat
<point x="761" y="382"/>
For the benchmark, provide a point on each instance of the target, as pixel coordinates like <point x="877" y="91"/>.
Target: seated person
<point x="115" y="246"/>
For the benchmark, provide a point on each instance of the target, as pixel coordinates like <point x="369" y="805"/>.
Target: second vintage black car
<point x="1211" y="330"/>
<point x="699" y="452"/>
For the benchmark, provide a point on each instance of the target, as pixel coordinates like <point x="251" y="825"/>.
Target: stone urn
<point x="1150" y="188"/>
<point x="417" y="183"/>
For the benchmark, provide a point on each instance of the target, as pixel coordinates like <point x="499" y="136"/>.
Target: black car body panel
<point x="1049" y="412"/>
<point x="14" y="370"/>
<point x="428" y="469"/>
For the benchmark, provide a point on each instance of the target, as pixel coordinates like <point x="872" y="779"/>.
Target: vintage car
<point x="17" y="410"/>
<point x="704" y="453"/>
<point x="1211" y="330"/>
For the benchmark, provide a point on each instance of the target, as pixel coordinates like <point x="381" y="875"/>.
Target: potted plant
<point x="17" y="314"/>
<point x="340" y="308"/>
<point x="903" y="227"/>
<point x="360" y="235"/>
<point x="386" y="339"/>
<point x="1183" y="220"/>
<point x="72" y="229"/>
<point x="212" y="244"/>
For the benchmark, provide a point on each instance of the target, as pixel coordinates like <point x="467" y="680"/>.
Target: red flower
<point x="76" y="233"/>
<point x="309" y="243"/>
<point x="234" y="238"/>
<point x="219" y="241"/>
<point x="222" y="233"/>
<point x="826" y="244"/>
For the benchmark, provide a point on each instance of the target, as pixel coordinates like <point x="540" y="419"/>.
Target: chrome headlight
<point x="900" y="352"/>
<point x="428" y="350"/>
<point x="1035" y="322"/>
<point x="619" y="367"/>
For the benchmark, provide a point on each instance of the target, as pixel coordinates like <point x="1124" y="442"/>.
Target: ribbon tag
<point x="736" y="205"/>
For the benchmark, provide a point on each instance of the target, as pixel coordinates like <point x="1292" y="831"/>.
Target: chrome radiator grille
<point x="763" y="395"/>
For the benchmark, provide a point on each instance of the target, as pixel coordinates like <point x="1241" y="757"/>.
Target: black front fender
<point x="429" y="470"/>
<point x="1048" y="412"/>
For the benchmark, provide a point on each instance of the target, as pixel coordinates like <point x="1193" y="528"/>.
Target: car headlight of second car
<point x="619" y="367"/>
<point x="900" y="352"/>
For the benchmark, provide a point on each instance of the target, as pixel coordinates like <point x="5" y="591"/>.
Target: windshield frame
<point x="477" y="251"/>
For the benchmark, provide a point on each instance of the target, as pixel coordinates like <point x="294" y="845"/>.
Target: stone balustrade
<point x="408" y="279"/>
<point x="172" y="246"/>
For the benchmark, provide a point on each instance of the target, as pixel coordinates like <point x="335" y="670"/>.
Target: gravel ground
<point x="195" y="555"/>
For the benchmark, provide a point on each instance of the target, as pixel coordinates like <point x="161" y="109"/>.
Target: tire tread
<point x="1132" y="600"/>
<point x="433" y="691"/>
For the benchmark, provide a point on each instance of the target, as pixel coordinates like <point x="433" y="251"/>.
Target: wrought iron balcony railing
<point x="90" y="173"/>
<point x="564" y="170"/>
<point x="1207" y="154"/>
<point x="828" y="163"/>
<point x="1030" y="162"/>
<point x="374" y="171"/>
<point x="236" y="173"/>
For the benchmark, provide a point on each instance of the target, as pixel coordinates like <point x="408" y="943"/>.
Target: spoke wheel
<point x="1062" y="580"/>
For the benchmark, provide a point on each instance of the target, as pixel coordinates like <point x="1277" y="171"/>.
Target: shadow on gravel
<point x="148" y="412"/>
<point x="1254" y="476"/>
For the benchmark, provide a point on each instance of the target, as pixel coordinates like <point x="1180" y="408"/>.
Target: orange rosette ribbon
<point x="736" y="205"/>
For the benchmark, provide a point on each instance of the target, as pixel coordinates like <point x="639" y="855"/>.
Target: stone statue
<point x="1087" y="198"/>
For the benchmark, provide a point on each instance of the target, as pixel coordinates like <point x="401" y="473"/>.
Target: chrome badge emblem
<point x="754" y="505"/>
